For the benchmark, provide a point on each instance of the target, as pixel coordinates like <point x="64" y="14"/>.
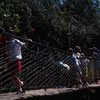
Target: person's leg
<point x="89" y="75"/>
<point x="20" y="82"/>
<point x="78" y="78"/>
<point x="14" y="76"/>
<point x="92" y="75"/>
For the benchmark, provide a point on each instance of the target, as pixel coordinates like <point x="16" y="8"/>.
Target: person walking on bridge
<point x="13" y="57"/>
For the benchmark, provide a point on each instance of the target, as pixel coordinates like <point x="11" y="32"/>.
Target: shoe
<point x="20" y="91"/>
<point x="23" y="90"/>
<point x="23" y="87"/>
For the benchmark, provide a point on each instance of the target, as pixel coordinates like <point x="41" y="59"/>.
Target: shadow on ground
<point x="83" y="94"/>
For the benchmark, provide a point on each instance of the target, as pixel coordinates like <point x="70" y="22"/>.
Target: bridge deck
<point x="41" y="92"/>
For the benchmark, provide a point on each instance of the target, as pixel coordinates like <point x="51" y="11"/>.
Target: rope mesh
<point x="39" y="69"/>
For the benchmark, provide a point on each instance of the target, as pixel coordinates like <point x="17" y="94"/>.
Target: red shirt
<point x="2" y="42"/>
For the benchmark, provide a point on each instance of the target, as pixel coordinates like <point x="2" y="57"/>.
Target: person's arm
<point x="23" y="44"/>
<point x="28" y="41"/>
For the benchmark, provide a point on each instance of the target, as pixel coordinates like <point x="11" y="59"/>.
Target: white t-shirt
<point x="14" y="49"/>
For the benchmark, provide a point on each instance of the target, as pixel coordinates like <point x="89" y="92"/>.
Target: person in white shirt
<point x="76" y="55"/>
<point x="14" y="56"/>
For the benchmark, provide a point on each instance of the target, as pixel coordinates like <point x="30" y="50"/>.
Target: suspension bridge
<point x="40" y="73"/>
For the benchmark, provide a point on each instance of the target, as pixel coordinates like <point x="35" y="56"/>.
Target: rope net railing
<point x="40" y="68"/>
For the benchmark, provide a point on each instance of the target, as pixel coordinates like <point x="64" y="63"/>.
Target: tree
<point x="57" y="22"/>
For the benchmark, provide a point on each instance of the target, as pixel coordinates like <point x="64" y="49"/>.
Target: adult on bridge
<point x="13" y="56"/>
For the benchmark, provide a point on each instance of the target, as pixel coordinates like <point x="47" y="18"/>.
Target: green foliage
<point x="61" y="23"/>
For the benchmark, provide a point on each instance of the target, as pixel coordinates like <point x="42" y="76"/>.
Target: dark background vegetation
<point x="57" y="23"/>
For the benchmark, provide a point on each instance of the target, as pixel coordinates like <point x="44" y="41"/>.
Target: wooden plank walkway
<point x="41" y="92"/>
